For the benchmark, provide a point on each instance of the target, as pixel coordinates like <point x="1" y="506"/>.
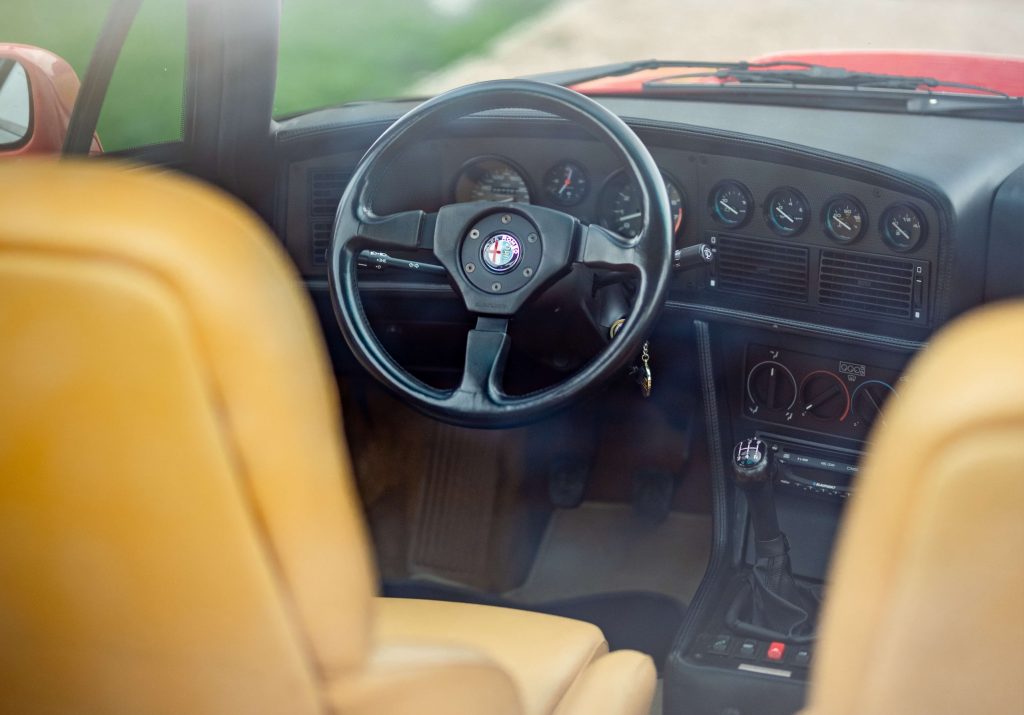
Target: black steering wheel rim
<point x="479" y="401"/>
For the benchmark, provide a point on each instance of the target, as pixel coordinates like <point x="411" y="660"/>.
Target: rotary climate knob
<point x="823" y="394"/>
<point x="771" y="386"/>
<point x="868" y="400"/>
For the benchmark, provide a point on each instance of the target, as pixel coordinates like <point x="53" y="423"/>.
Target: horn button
<point x="501" y="252"/>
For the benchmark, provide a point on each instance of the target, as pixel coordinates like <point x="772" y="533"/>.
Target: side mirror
<point x="15" y="104"/>
<point x="37" y="94"/>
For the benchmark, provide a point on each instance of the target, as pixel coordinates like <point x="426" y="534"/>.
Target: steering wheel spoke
<point x="487" y="347"/>
<point x="405" y="230"/>
<point x="601" y="248"/>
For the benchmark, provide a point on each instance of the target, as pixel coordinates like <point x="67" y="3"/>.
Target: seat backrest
<point x="924" y="610"/>
<point x="178" y="528"/>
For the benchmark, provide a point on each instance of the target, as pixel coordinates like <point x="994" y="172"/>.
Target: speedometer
<point x="491" y="178"/>
<point x="620" y="205"/>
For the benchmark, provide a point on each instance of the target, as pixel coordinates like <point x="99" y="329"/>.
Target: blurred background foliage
<point x="331" y="52"/>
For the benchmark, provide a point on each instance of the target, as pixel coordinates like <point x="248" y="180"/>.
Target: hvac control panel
<point x="839" y="397"/>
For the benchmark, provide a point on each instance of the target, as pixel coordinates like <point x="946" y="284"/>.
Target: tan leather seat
<point x="178" y="527"/>
<point x="924" y="611"/>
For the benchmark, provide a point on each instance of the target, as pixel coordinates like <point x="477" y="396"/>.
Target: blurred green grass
<point x="331" y="52"/>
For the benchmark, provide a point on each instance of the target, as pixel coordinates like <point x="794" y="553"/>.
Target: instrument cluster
<point x="568" y="184"/>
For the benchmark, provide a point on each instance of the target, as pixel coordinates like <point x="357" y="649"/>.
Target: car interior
<point x="515" y="399"/>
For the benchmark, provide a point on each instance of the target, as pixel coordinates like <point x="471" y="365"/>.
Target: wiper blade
<point x="586" y="74"/>
<point x="805" y="74"/>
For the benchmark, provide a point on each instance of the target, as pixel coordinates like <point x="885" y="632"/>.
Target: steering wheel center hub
<point x="507" y="246"/>
<point x="501" y="252"/>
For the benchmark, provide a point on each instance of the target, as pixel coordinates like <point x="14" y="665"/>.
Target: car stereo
<point x="812" y="469"/>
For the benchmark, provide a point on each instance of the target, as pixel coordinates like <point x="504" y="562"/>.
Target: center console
<point x="809" y="405"/>
<point x="804" y="392"/>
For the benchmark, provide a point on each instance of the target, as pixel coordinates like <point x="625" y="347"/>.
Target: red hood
<point x="1005" y="74"/>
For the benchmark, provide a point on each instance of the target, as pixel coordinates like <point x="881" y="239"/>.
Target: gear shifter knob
<point x="751" y="468"/>
<point x="750" y="463"/>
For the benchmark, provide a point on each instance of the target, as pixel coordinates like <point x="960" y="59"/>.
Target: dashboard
<point x="842" y="239"/>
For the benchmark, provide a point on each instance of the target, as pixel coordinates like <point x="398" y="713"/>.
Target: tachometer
<point x="491" y="179"/>
<point x="620" y="204"/>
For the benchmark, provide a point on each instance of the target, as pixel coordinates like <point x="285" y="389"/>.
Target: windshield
<point x="420" y="47"/>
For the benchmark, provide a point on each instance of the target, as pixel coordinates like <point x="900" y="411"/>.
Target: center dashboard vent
<point x="761" y="268"/>
<point x="325" y="189"/>
<point x="865" y="283"/>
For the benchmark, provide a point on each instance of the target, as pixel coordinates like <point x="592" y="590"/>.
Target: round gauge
<point x="491" y="179"/>
<point x="730" y="204"/>
<point x="620" y="205"/>
<point x="844" y="219"/>
<point x="676" y="203"/>
<point x="903" y="227"/>
<point x="566" y="183"/>
<point x="823" y="394"/>
<point x="787" y="211"/>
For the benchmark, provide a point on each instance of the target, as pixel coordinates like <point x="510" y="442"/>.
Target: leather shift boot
<point x="771" y="604"/>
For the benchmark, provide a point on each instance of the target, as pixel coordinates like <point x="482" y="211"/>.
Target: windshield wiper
<point x="619" y="69"/>
<point x="811" y="75"/>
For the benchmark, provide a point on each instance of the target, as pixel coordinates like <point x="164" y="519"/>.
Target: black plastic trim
<point x="742" y="317"/>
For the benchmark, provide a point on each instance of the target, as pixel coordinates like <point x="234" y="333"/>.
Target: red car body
<point x="1004" y="74"/>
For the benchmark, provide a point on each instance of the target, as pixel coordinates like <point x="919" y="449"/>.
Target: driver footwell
<point x="603" y="564"/>
<point x="470" y="515"/>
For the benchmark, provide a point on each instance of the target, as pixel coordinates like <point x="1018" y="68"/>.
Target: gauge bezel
<point x="769" y="218"/>
<point x="683" y="201"/>
<point x="883" y="227"/>
<point x="466" y="165"/>
<point x="713" y="203"/>
<point x="667" y="177"/>
<point x="864" y="223"/>
<point x="549" y="197"/>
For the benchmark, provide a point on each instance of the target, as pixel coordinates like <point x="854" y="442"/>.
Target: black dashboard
<point x="843" y="239"/>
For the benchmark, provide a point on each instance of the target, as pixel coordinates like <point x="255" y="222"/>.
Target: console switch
<point x="802" y="657"/>
<point x="776" y="651"/>
<point x="720" y="644"/>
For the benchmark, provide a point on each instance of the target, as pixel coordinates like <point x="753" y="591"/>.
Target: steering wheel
<point x="498" y="255"/>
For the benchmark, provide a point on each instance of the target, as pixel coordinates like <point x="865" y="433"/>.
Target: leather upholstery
<point x="511" y="638"/>
<point x="925" y="607"/>
<point x="619" y="682"/>
<point x="179" y="530"/>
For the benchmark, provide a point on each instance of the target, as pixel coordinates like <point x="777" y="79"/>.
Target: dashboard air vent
<point x="325" y="189"/>
<point x="866" y="284"/>
<point x="763" y="269"/>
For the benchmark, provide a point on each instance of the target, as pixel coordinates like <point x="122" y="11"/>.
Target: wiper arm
<point x="816" y="75"/>
<point x="586" y="74"/>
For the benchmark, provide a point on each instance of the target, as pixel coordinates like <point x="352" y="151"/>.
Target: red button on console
<point x="775" y="651"/>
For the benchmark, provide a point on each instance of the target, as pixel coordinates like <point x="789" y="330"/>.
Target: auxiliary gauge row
<point x="844" y="219"/>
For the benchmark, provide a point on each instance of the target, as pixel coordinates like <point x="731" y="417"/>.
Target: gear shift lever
<point x="753" y="474"/>
<point x="774" y="605"/>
